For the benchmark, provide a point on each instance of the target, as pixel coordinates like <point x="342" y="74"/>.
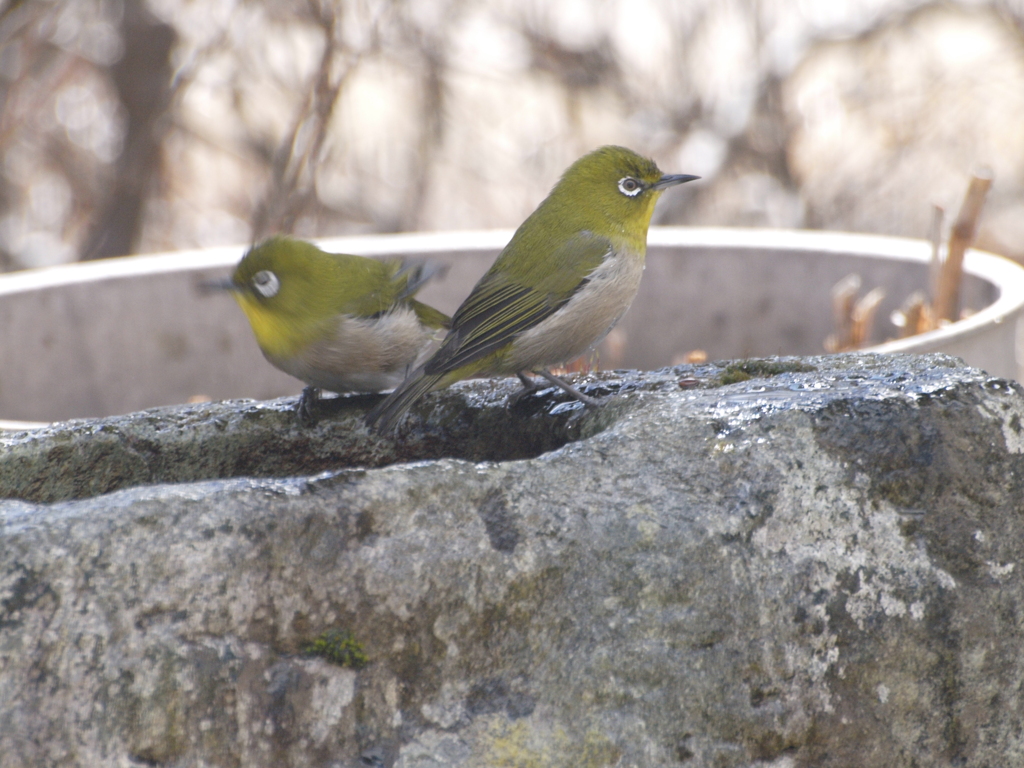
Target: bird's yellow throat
<point x="273" y="333"/>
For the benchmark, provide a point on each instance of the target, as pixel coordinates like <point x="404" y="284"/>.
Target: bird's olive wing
<point x="369" y="287"/>
<point x="503" y="305"/>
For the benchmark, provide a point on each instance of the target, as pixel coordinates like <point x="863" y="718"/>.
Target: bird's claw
<point x="530" y="387"/>
<point x="305" y="410"/>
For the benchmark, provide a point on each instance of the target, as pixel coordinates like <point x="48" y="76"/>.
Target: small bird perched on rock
<point x="569" y="273"/>
<point x="338" y="322"/>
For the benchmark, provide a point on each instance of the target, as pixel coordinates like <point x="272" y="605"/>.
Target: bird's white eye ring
<point x="630" y="187"/>
<point x="265" y="283"/>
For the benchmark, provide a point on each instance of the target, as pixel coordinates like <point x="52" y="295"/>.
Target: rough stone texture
<point x="813" y="568"/>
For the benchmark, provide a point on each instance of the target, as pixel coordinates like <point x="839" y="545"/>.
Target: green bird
<point x="336" y="321"/>
<point x="565" y="278"/>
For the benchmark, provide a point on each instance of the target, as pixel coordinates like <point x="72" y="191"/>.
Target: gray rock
<point x="816" y="567"/>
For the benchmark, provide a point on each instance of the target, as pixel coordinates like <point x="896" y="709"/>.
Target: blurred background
<point x="138" y="126"/>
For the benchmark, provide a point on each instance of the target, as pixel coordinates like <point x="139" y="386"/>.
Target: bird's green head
<point x="288" y="290"/>
<point x="616" y="189"/>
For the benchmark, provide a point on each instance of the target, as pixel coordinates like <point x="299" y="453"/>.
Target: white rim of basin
<point x="1006" y="275"/>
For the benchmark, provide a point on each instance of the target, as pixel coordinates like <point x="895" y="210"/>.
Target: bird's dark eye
<point x="265" y="283"/>
<point x="630" y="187"/>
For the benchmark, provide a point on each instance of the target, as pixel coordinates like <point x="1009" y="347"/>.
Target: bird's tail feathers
<point x="385" y="416"/>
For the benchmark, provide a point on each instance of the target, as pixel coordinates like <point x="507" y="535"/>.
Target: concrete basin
<point x="115" y="336"/>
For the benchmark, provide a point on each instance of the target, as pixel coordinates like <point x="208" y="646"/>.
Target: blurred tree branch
<point x="292" y="187"/>
<point x="333" y="116"/>
<point x="142" y="77"/>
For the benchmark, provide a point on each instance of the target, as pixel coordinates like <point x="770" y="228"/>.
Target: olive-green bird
<point x="338" y="322"/>
<point x="569" y="273"/>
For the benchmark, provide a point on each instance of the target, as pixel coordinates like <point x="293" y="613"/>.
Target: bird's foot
<point x="587" y="400"/>
<point x="305" y="410"/>
<point x="529" y="387"/>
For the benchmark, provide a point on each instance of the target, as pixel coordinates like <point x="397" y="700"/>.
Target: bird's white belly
<point x="585" y="319"/>
<point x="362" y="354"/>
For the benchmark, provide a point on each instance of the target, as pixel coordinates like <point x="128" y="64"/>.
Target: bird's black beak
<point x="670" y="181"/>
<point x="216" y="286"/>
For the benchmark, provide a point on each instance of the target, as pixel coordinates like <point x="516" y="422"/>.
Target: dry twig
<point x="854" y="318"/>
<point x="915" y="316"/>
<point x="935" y="236"/>
<point x="947" y="298"/>
<point x="863" y="317"/>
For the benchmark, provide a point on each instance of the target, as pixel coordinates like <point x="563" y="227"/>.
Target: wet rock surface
<point x="815" y="565"/>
